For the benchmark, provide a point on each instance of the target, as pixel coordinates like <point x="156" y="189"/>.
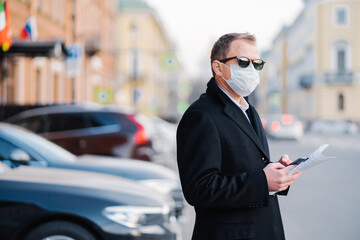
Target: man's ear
<point x="216" y="66"/>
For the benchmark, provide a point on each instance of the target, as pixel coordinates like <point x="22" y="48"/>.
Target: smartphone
<point x="298" y="161"/>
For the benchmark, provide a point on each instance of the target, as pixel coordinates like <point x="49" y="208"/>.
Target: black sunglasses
<point x="244" y="62"/>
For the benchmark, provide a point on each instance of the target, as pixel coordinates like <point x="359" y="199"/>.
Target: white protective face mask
<point x="243" y="80"/>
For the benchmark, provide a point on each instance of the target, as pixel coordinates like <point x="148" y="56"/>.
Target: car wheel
<point x="59" y="230"/>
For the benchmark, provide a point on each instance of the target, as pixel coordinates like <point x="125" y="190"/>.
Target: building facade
<point x="313" y="67"/>
<point x="147" y="67"/>
<point x="85" y="27"/>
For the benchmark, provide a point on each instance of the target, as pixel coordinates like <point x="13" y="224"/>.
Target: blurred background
<point x="120" y="73"/>
<point x="154" y="55"/>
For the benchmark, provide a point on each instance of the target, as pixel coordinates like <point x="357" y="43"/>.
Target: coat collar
<point x="233" y="112"/>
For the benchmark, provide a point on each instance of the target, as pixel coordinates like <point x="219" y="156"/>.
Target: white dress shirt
<point x="243" y="105"/>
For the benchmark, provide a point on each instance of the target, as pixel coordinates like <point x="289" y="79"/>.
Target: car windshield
<point x="46" y="149"/>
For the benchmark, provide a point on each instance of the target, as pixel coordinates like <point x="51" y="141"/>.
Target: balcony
<point x="306" y="81"/>
<point x="347" y="78"/>
<point x="46" y="48"/>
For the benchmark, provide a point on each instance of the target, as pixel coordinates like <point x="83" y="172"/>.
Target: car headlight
<point x="163" y="186"/>
<point x="133" y="216"/>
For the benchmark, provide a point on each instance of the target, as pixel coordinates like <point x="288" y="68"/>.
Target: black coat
<point x="221" y="159"/>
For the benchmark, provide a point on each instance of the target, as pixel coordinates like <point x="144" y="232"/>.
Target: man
<point x="223" y="154"/>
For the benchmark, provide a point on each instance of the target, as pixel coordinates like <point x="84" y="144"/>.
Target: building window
<point x="341" y="61"/>
<point x="10" y="77"/>
<point x="341" y="102"/>
<point x="56" y="9"/>
<point x="134" y="30"/>
<point x="134" y="64"/>
<point x="341" y="57"/>
<point x="37" y="96"/>
<point x="341" y="16"/>
<point x="10" y="90"/>
<point x="56" y="88"/>
<point x="41" y="5"/>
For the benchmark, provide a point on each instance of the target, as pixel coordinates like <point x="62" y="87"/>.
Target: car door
<point x="107" y="136"/>
<point x="68" y="130"/>
<point x="88" y="133"/>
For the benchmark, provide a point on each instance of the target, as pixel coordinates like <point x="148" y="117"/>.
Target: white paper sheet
<point x="315" y="158"/>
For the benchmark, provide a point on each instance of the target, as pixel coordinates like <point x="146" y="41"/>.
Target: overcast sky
<point x="194" y="25"/>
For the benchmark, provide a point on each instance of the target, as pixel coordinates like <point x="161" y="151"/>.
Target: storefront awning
<point x="49" y="48"/>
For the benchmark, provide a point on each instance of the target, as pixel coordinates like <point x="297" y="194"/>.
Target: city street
<point x="88" y="86"/>
<point x="323" y="202"/>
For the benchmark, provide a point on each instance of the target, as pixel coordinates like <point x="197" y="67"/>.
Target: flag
<point x="5" y="30"/>
<point x="29" y="30"/>
<point x="2" y="16"/>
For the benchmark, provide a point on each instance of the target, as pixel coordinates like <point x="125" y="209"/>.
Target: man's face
<point x="239" y="47"/>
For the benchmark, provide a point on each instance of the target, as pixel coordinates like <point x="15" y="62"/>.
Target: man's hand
<point x="285" y="160"/>
<point x="276" y="176"/>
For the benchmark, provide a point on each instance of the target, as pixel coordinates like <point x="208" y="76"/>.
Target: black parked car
<point x="39" y="204"/>
<point x="21" y="147"/>
<point x="83" y="129"/>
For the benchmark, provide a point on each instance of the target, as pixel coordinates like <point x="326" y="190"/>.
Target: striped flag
<point x="5" y="30"/>
<point x="2" y="16"/>
<point x="29" y="30"/>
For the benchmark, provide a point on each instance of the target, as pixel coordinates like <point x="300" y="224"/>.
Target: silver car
<point x="283" y="126"/>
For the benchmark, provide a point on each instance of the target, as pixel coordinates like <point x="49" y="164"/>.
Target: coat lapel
<point x="240" y="119"/>
<point x="233" y="112"/>
<point x="257" y="125"/>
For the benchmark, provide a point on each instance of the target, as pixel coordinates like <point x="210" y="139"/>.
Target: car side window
<point x="6" y="149"/>
<point x="66" y="121"/>
<point x="34" y="124"/>
<point x="102" y="119"/>
<point x="126" y="122"/>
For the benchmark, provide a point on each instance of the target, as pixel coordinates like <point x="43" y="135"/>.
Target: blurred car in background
<point x="38" y="204"/>
<point x="21" y="147"/>
<point x="334" y="127"/>
<point x="90" y="129"/>
<point x="163" y="140"/>
<point x="282" y="126"/>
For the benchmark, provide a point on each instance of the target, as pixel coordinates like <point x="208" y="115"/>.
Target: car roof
<point x="72" y="108"/>
<point x="4" y="125"/>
